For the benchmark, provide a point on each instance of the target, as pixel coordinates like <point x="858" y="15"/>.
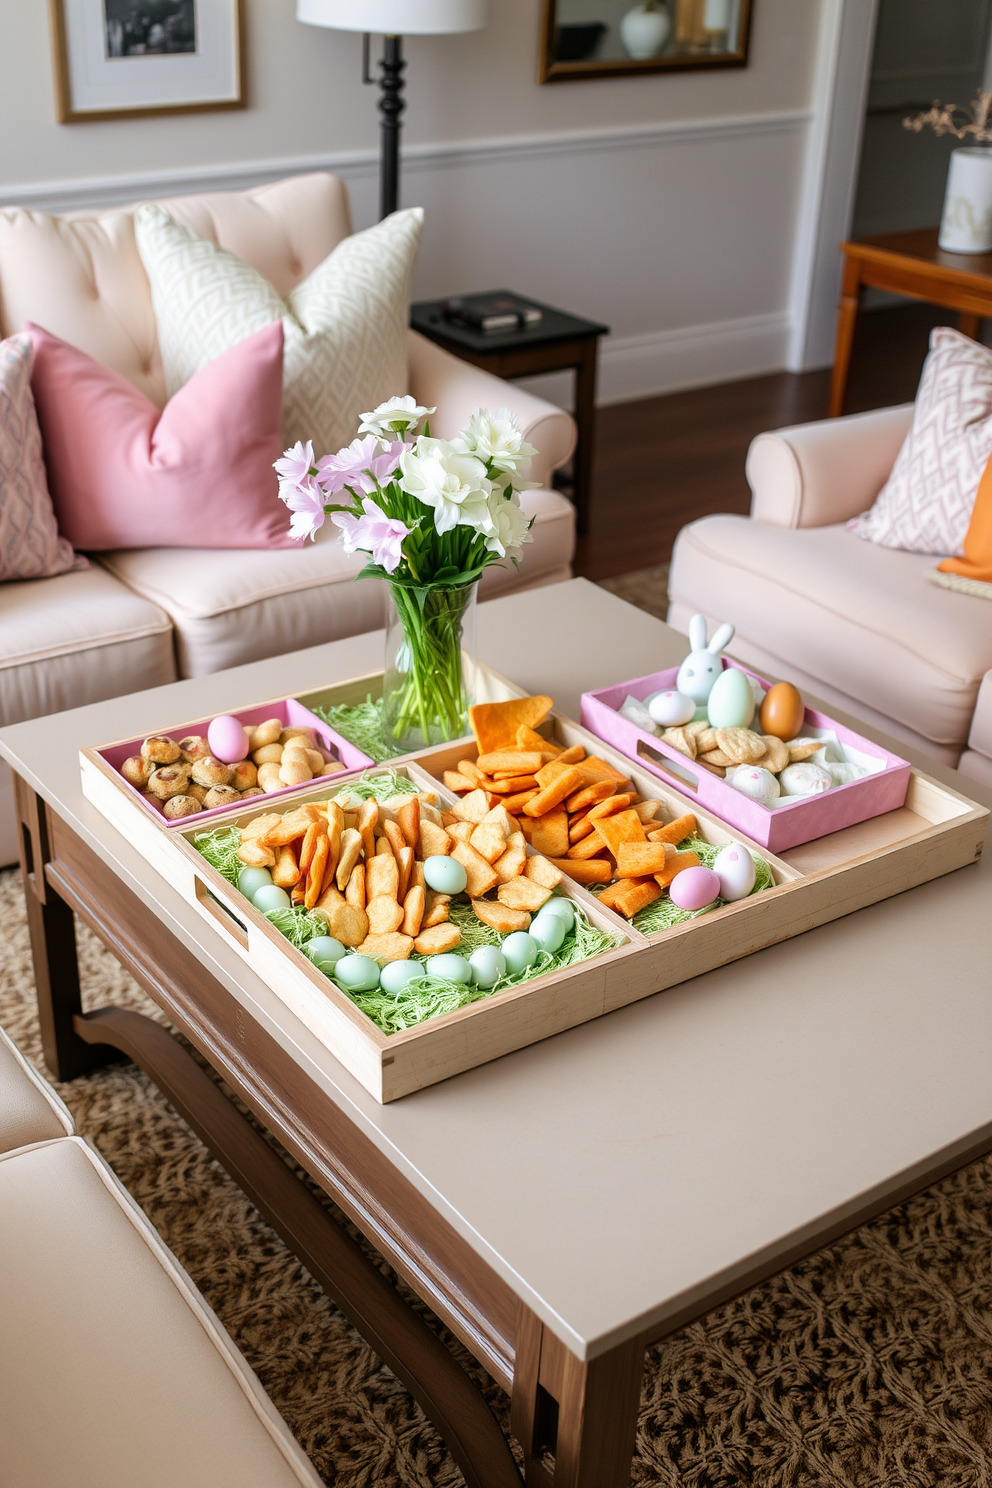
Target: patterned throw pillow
<point x="345" y="325"/>
<point x="926" y="503"/>
<point x="30" y="546"/>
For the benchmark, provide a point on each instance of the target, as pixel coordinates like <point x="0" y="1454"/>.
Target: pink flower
<point x="306" y="501"/>
<point x="296" y="463"/>
<point x="363" y="464"/>
<point x="374" y="533"/>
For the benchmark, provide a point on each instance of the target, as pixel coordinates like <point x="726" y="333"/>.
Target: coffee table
<point x="564" y="1206"/>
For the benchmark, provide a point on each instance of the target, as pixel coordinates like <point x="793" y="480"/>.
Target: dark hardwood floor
<point x="662" y="462"/>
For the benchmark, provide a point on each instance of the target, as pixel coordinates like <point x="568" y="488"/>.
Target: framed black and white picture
<point x="117" y="59"/>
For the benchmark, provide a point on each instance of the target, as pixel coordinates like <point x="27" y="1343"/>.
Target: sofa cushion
<point x="345" y="326"/>
<point x="229" y="608"/>
<point x="861" y="617"/>
<point x="77" y="639"/>
<point x="81" y="276"/>
<point x="30" y="1111"/>
<point x="113" y="1370"/>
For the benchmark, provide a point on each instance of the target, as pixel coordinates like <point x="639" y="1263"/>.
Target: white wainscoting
<point x="679" y="235"/>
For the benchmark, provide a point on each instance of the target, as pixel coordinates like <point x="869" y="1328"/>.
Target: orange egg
<point x="782" y="712"/>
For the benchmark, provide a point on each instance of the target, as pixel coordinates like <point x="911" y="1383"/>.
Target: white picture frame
<point x="122" y="59"/>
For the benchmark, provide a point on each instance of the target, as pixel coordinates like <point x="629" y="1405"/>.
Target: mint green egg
<point x="250" y="880"/>
<point x="731" y="701"/>
<point x="270" y="897"/>
<point x="548" y="930"/>
<point x="451" y="967"/>
<point x="445" y="875"/>
<point x="488" y="964"/>
<point x="519" y="952"/>
<point x="324" y="950"/>
<point x="357" y="973"/>
<point x="396" y="976"/>
<point x="563" y="908"/>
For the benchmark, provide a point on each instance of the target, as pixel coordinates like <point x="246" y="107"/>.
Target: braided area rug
<point x="867" y="1366"/>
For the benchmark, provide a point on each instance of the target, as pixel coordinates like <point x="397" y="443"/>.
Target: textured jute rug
<point x="867" y="1366"/>
<point x="647" y="588"/>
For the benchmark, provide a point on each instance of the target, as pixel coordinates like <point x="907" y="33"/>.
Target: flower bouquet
<point x="432" y="514"/>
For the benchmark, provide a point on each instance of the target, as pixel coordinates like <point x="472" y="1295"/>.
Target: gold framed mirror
<point x="614" y="38"/>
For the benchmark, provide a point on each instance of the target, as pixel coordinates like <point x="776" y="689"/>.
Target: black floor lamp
<point x="393" y="19"/>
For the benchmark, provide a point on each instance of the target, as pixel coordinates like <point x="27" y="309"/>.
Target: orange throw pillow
<point x="976" y="564"/>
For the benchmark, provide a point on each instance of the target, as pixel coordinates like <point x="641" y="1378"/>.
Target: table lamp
<point x="393" y="19"/>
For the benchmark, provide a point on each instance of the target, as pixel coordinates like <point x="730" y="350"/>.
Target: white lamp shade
<point x="395" y="17"/>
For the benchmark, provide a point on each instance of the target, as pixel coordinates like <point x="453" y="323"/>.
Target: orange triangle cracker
<point x="623" y="827"/>
<point x="495" y="725"/>
<point x="528" y="738"/>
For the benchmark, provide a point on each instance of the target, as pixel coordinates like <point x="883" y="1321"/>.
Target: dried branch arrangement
<point x="948" y="118"/>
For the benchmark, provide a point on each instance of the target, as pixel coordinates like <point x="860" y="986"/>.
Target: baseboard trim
<point x="97" y="192"/>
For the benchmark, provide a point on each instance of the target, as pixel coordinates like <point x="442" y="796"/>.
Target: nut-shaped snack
<point x="298" y="731"/>
<point x="264" y="733"/>
<point x="194" y="747"/>
<point x="253" y="790"/>
<point x="245" y="775"/>
<point x="137" y="770"/>
<point x="268" y="754"/>
<point x="169" y="780"/>
<point x="160" y="750"/>
<point x="196" y="791"/>
<point x="267" y="771"/>
<point x="292" y="773"/>
<point x="220" y="795"/>
<point x="210" y="771"/>
<point x="179" y="806"/>
<point x="271" y="783"/>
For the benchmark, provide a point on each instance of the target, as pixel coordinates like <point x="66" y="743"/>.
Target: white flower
<point x="453" y="483"/>
<point x="511" y="528"/>
<point x="496" y="438"/>
<point x="392" y="418"/>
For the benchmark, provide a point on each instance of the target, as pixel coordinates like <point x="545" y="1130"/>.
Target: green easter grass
<point x="663" y="914"/>
<point x="362" y="726"/>
<point x="429" y="996"/>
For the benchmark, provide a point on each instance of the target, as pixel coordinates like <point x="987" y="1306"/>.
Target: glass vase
<point x="430" y="664"/>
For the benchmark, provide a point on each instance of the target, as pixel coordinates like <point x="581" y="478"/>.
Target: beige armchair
<point x="140" y="618"/>
<point x="858" y="624"/>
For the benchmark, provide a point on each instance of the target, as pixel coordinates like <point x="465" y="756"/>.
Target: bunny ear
<point x="723" y="637"/>
<point x="697" y="632"/>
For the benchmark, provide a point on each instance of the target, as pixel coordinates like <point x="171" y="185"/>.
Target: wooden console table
<point x="908" y="263"/>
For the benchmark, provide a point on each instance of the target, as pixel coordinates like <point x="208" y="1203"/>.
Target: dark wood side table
<point x="908" y="263"/>
<point x="558" y="343"/>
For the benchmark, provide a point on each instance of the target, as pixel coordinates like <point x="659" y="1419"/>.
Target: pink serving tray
<point x="787" y="826"/>
<point x="287" y="710"/>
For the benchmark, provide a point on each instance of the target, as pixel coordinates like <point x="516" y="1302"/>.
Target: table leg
<point x="576" y="1420"/>
<point x="847" y="317"/>
<point x="969" y="324"/>
<point x="585" y="418"/>
<point x="53" y="949"/>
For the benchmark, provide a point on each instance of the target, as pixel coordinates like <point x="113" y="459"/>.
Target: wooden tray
<point x="935" y="832"/>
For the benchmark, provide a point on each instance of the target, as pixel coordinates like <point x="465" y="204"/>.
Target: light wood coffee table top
<point x="626" y="1174"/>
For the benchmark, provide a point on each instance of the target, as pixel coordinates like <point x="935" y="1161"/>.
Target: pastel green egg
<point x="451" y="967"/>
<point x="445" y="875"/>
<point x="563" y="908"/>
<point x="548" y="930"/>
<point x="269" y="897"/>
<point x="519" y="952"/>
<point x="396" y="976"/>
<point x="357" y="973"/>
<point x="731" y="701"/>
<point x="324" y="950"/>
<point x="488" y="965"/>
<point x="250" y="880"/>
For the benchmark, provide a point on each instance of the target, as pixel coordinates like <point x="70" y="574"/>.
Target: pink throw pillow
<point x="30" y="545"/>
<point x="195" y="474"/>
<point x="926" y="503"/>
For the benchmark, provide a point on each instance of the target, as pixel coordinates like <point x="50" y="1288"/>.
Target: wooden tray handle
<point x="660" y="764"/>
<point x="225" y="918"/>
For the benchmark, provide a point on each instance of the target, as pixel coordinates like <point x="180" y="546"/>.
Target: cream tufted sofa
<point x="140" y="618"/>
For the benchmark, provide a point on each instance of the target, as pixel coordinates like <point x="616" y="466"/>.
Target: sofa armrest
<point x="457" y="389"/>
<point x="815" y="475"/>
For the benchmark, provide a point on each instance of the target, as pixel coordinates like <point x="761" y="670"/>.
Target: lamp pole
<point x="391" y="106"/>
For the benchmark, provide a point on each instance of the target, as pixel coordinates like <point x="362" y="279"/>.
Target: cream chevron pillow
<point x="345" y="325"/>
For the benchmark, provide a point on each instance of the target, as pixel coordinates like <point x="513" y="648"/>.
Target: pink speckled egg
<point x="694" y="888"/>
<point x="228" y="740"/>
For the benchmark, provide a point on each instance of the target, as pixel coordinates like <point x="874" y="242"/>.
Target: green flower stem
<point x="431" y="695"/>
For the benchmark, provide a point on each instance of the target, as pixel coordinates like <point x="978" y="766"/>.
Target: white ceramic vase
<point x="966" y="226"/>
<point x="645" y="32"/>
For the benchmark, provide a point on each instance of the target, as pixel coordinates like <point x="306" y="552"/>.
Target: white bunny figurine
<point x="702" y="666"/>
